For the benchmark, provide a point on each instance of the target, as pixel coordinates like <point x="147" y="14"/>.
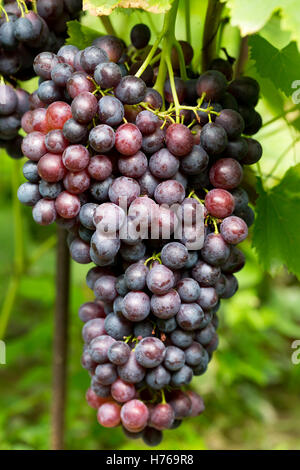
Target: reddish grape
<point x="57" y="114"/>
<point x="108" y="415"/>
<point x="76" y="158"/>
<point x="134" y="415"/>
<point x="51" y="168"/>
<point x="128" y="139"/>
<point x="67" y="205"/>
<point x="77" y="183"/>
<point x="219" y="203"/>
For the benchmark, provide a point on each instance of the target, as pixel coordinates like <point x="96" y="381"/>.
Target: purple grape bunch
<point x="158" y="206"/>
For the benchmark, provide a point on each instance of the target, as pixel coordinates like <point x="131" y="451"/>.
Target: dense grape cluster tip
<point x="152" y="194"/>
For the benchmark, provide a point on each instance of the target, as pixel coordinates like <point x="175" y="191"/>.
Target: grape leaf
<point x="251" y="16"/>
<point x="79" y="35"/>
<point x="106" y="7"/>
<point x="277" y="228"/>
<point x="281" y="66"/>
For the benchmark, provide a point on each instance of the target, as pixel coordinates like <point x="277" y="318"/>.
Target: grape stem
<point x="108" y="25"/>
<point x="211" y="26"/>
<point x="187" y="17"/>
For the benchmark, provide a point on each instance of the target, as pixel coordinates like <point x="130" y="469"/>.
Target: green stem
<point x="8" y="303"/>
<point x="187" y="11"/>
<point x="5" y="14"/>
<point x="173" y="87"/>
<point x="34" y="6"/>
<point x="149" y="56"/>
<point x="182" y="66"/>
<point x="108" y="25"/>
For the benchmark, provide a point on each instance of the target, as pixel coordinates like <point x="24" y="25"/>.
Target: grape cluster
<point x="132" y="180"/>
<point x="24" y="33"/>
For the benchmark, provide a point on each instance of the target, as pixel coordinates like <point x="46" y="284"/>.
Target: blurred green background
<point x="251" y="389"/>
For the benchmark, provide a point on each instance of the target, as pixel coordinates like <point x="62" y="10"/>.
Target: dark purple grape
<point x="119" y="353"/>
<point x="208" y="298"/>
<point x="179" y="140"/>
<point x="226" y="173"/>
<point x="163" y="164"/>
<point x="136" y="306"/>
<point x="232" y="122"/>
<point x="91" y="57"/>
<point x="165" y="306"/>
<point x="91" y="310"/>
<point x="158" y="378"/>
<point x="110" y="110"/>
<point x="84" y="107"/>
<point x="153" y="142"/>
<point x="190" y="316"/>
<point x="49" y="92"/>
<point x="182" y="339"/>
<point x="213" y="84"/>
<point x="213" y="138"/>
<point x="140" y="36"/>
<point x="135" y="276"/>
<point x="182" y="376"/>
<point x="223" y="66"/>
<point x="235" y="262"/>
<point x="205" y="335"/>
<point x="102" y="138"/>
<point x="215" y="250"/>
<point x="61" y="73"/>
<point x="174" y="255"/>
<point x="92" y="329"/>
<point x="174" y="358"/>
<point x="205" y="274"/>
<point x="99" y="347"/>
<point x="236" y="149"/>
<point x="188" y="290"/>
<point x="112" y="45"/>
<point x="195" y="162"/>
<point x="195" y="354"/>
<point x="67" y="54"/>
<point x="131" y="371"/>
<point x="180" y="89"/>
<point x="147" y="122"/>
<point x="131" y="90"/>
<point x="245" y="90"/>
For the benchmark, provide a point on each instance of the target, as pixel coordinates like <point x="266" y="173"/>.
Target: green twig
<point x="108" y="25"/>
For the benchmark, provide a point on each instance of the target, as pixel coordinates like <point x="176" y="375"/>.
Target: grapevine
<point x="142" y="162"/>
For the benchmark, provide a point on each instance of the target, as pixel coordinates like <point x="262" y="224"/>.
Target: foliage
<point x="252" y="388"/>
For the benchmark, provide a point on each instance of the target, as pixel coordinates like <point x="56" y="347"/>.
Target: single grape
<point x="134" y="415"/>
<point x="67" y="205"/>
<point x="205" y="335"/>
<point x="84" y="107"/>
<point x="112" y="45"/>
<point x="28" y="194"/>
<point x="131" y="371"/>
<point x="33" y="146"/>
<point x="50" y="190"/>
<point x="51" y="168"/>
<point x="77" y="183"/>
<point x="140" y="36"/>
<point x="182" y="376"/>
<point x="92" y="329"/>
<point x="213" y="138"/>
<point x="195" y="162"/>
<point x="158" y="378"/>
<point x="79" y="83"/>
<point x="91" y="310"/>
<point x="135" y="276"/>
<point x="226" y="173"/>
<point x="213" y="84"/>
<point x="107" y="74"/>
<point x="169" y="192"/>
<point x="181" y="404"/>
<point x="136" y="306"/>
<point x="133" y="166"/>
<point x="188" y="290"/>
<point x="122" y="392"/>
<point x="174" y="358"/>
<point x="254" y="152"/>
<point x="245" y="90"/>
<point x="119" y="353"/>
<point x="123" y="191"/>
<point x="104" y="288"/>
<point x="190" y="316"/>
<point x="182" y="339"/>
<point x="128" y="139"/>
<point x="160" y="280"/>
<point x="55" y="142"/>
<point x="232" y="122"/>
<point x="179" y="140"/>
<point x="91" y="57"/>
<point x="57" y="114"/>
<point x="235" y="262"/>
<point x="215" y="250"/>
<point x="109" y="415"/>
<point x="206" y="274"/>
<point x="163" y="164"/>
<point x="219" y="203"/>
<point x="147" y="122"/>
<point x="153" y="142"/>
<point x="102" y="138"/>
<point x="106" y="374"/>
<point x="165" y="306"/>
<point x="100" y="167"/>
<point x="234" y="230"/>
<point x="131" y="90"/>
<point x="174" y="255"/>
<point x="110" y="110"/>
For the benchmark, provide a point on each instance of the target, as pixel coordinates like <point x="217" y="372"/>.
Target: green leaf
<point x="106" y="7"/>
<point x="281" y="66"/>
<point x="277" y="227"/>
<point x="251" y="16"/>
<point x="80" y="35"/>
